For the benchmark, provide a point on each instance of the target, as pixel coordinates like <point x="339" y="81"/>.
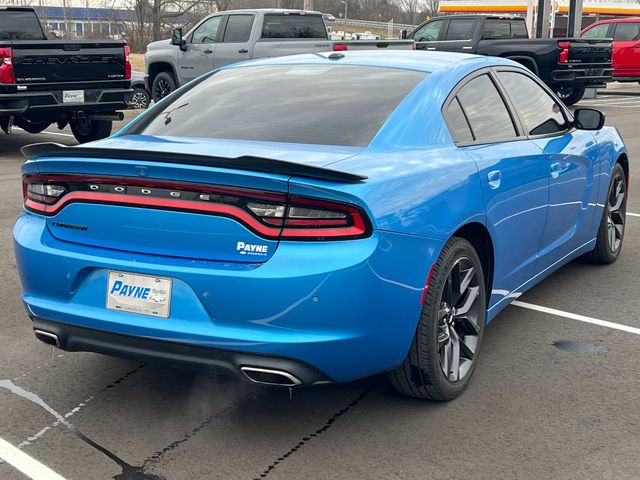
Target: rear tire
<point x="163" y="84"/>
<point x="570" y="95"/>
<point x="444" y="351"/>
<point x="86" y="130"/>
<point x="31" y="127"/>
<point x="139" y="98"/>
<point x="612" y="224"/>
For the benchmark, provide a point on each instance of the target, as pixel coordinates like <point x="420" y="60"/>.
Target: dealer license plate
<point x="73" y="96"/>
<point x="143" y="294"/>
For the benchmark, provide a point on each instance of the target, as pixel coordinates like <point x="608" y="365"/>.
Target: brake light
<point x="270" y="215"/>
<point x="127" y="64"/>
<point x="564" y="52"/>
<point x="339" y="47"/>
<point x="6" y="66"/>
<point x="413" y="46"/>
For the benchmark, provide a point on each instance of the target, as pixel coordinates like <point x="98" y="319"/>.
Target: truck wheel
<point x="86" y="130"/>
<point x="31" y="127"/>
<point x="570" y="95"/>
<point x="445" y="347"/>
<point x="139" y="99"/>
<point x="163" y="85"/>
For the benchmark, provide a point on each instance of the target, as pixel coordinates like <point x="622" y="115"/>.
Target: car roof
<point x="617" y="20"/>
<point x="429" y="62"/>
<point x="270" y="10"/>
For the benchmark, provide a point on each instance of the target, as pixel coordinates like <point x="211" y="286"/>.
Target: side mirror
<point x="403" y="34"/>
<point x="588" y="119"/>
<point x="176" y="38"/>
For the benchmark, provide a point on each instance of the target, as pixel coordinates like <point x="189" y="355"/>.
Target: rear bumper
<point x="80" y="339"/>
<point x="349" y="309"/>
<point x="50" y="102"/>
<point x="591" y="75"/>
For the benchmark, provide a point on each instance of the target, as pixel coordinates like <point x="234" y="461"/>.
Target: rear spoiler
<point x="258" y="164"/>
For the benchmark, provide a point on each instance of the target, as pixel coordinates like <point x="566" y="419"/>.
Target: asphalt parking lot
<point x="554" y="397"/>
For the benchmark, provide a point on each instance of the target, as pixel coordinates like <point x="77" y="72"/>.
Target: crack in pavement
<point x="328" y="424"/>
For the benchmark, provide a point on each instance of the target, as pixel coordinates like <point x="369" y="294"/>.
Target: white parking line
<point x="633" y="214"/>
<point x="574" y="316"/>
<point x="26" y="464"/>
<point x="48" y="133"/>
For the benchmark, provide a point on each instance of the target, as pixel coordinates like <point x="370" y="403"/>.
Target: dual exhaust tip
<point x="262" y="376"/>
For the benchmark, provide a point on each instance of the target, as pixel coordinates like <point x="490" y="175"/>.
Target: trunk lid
<point x="156" y="207"/>
<point x="52" y="61"/>
<point x="589" y="51"/>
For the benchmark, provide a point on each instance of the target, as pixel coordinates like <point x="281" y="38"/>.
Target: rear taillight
<point x="270" y="215"/>
<point x="6" y="66"/>
<point x="339" y="47"/>
<point x="564" y="52"/>
<point x="413" y="46"/>
<point x="127" y="64"/>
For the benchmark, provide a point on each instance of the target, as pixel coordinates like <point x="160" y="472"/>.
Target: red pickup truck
<point x="626" y="45"/>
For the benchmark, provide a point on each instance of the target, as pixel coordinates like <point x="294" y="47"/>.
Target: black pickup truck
<point x="80" y="83"/>
<point x="566" y="65"/>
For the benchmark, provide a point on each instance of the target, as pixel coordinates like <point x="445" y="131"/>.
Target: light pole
<point x="346" y="9"/>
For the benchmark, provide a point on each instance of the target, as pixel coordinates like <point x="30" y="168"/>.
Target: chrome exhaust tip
<point x="48" y="338"/>
<point x="266" y="376"/>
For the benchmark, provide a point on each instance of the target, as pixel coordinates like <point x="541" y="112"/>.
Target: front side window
<point x="429" y="32"/>
<point x="486" y="111"/>
<point x="207" y="32"/>
<point x="627" y="32"/>
<point x="460" y="29"/>
<point x="238" y="29"/>
<point x="539" y="112"/>
<point x="599" y="31"/>
<point x="310" y="104"/>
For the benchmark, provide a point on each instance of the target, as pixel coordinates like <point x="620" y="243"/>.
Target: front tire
<point x="163" y="84"/>
<point x="612" y="224"/>
<point x="86" y="130"/>
<point x="570" y="95"/>
<point x="444" y="351"/>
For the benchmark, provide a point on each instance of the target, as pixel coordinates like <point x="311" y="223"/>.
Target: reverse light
<point x="127" y="63"/>
<point x="6" y="66"/>
<point x="267" y="214"/>
<point x="564" y="52"/>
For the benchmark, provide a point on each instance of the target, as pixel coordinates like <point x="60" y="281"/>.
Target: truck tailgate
<point x="585" y="50"/>
<point x="60" y="61"/>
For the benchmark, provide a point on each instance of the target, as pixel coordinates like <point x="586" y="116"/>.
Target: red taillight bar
<point x="343" y="221"/>
<point x="6" y="66"/>
<point x="339" y="47"/>
<point x="564" y="52"/>
<point x="127" y="63"/>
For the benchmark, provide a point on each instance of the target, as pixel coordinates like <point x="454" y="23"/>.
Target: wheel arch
<point x="478" y="236"/>
<point x="623" y="160"/>
<point x="528" y="62"/>
<point x="157" y="67"/>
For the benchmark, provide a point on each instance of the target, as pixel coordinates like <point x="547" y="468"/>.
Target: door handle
<point x="243" y="50"/>
<point x="431" y="48"/>
<point x="467" y="48"/>
<point x="557" y="168"/>
<point x="494" y="178"/>
<point x="208" y="51"/>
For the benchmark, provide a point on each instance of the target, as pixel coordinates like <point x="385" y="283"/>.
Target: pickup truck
<point x="79" y="83"/>
<point x="567" y="65"/>
<point x="236" y="35"/>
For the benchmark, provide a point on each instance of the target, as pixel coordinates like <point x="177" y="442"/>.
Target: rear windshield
<point x="293" y="26"/>
<point x="20" y="25"/>
<point x="313" y="104"/>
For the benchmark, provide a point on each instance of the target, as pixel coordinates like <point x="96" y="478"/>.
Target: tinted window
<point x="429" y="32"/>
<point x="318" y="104"/>
<point x="293" y="26"/>
<point x="539" y="112"/>
<point x="627" y="32"/>
<point x="460" y="29"/>
<point x="238" y="29"/>
<point x="519" y="29"/>
<point x="496" y="29"/>
<point x="17" y="25"/>
<point x="485" y="110"/>
<point x="599" y="31"/>
<point x="208" y="31"/>
<point x="457" y="123"/>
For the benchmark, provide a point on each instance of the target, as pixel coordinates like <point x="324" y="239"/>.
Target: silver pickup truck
<point x="236" y="35"/>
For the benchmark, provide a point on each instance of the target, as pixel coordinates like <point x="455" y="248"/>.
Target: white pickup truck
<point x="236" y="35"/>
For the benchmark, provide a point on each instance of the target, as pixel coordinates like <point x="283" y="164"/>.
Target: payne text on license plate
<point x="143" y="294"/>
<point x="73" y="96"/>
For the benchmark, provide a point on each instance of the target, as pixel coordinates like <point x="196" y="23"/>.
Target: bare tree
<point x="412" y="7"/>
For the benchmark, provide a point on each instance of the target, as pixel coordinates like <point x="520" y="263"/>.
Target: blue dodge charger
<point x="319" y="218"/>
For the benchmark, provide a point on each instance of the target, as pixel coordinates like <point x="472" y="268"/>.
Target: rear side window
<point x="539" y="112"/>
<point x="627" y="32"/>
<point x="293" y="26"/>
<point x="599" y="31"/>
<point x="485" y="110"/>
<point x="519" y="29"/>
<point x="460" y="29"/>
<point x="238" y="29"/>
<point x="312" y="104"/>
<point x="457" y="123"/>
<point x="20" y="25"/>
<point x="496" y="29"/>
